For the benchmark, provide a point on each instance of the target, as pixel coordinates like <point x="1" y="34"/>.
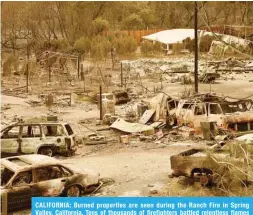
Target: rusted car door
<point x="215" y="113"/>
<point x="54" y="134"/>
<point x="10" y="140"/>
<point x="200" y="115"/>
<point x="184" y="113"/>
<point x="51" y="180"/>
<point x="31" y="138"/>
<point x="21" y="191"/>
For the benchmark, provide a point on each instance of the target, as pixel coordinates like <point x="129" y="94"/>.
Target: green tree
<point x="148" y="18"/>
<point x="82" y="45"/>
<point x="99" y="25"/>
<point x="100" y="47"/>
<point x="133" y="21"/>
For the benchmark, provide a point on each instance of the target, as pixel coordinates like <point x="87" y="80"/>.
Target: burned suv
<point x="38" y="138"/>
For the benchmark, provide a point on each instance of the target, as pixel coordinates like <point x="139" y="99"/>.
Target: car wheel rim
<point x="73" y="191"/>
<point x="47" y="152"/>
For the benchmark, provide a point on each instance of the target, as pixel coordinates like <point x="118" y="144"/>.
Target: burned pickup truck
<point x="215" y="166"/>
<point x="47" y="138"/>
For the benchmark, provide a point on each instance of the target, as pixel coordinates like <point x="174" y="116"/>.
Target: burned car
<point x="45" y="138"/>
<point x="215" y="164"/>
<point x="27" y="176"/>
<point x="236" y="116"/>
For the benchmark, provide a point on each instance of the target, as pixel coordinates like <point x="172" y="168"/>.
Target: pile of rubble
<point x="182" y="70"/>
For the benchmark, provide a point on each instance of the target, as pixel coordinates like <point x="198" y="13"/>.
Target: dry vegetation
<point x="76" y="27"/>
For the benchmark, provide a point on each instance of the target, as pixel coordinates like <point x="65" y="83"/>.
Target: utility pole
<point x="27" y="55"/>
<point x="196" y="46"/>
<point x="121" y="75"/>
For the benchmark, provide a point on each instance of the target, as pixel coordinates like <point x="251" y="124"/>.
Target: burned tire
<point x="46" y="151"/>
<point x="205" y="176"/>
<point x="68" y="153"/>
<point x="204" y="180"/>
<point x="73" y="191"/>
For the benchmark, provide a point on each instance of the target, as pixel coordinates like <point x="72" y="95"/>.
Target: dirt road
<point x="136" y="172"/>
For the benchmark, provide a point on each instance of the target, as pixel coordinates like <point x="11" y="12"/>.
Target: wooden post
<point x="84" y="82"/>
<point x="49" y="73"/>
<point x="27" y="68"/>
<point x="4" y="204"/>
<point x="83" y="77"/>
<point x="101" y="105"/>
<point x="78" y="66"/>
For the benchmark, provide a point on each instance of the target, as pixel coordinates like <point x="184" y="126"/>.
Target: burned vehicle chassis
<point x="198" y="165"/>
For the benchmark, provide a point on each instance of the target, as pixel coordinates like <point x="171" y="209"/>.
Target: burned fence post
<point x="49" y="66"/>
<point x="83" y="77"/>
<point x="78" y="66"/>
<point x="100" y="100"/>
<point x="49" y="73"/>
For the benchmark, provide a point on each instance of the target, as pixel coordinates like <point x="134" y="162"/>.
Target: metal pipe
<point x="196" y="47"/>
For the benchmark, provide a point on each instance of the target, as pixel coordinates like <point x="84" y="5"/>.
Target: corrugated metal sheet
<point x="127" y="127"/>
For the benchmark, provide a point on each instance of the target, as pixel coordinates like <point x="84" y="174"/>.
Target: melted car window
<point x="199" y="110"/>
<point x="12" y="132"/>
<point x="48" y="173"/>
<point x="23" y="178"/>
<point x="31" y="131"/>
<point x="53" y="130"/>
<point x="215" y="109"/>
<point x="69" y="129"/>
<point x="187" y="106"/>
<point x="65" y="171"/>
<point x="6" y="175"/>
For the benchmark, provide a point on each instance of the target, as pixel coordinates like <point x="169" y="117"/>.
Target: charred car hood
<point x="84" y="176"/>
<point x="79" y="170"/>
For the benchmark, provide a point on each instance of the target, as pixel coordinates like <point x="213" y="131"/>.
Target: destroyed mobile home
<point x="48" y="138"/>
<point x="27" y="176"/>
